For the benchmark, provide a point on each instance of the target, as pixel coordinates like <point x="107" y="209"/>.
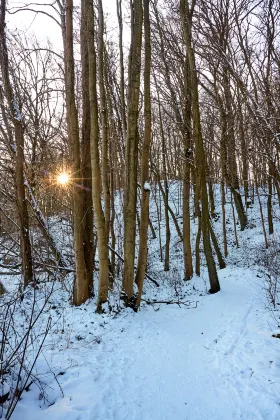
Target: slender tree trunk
<point x="81" y="290"/>
<point x="197" y="247"/>
<point x="122" y="89"/>
<point x="89" y="246"/>
<point x="145" y="186"/>
<point x="211" y="198"/>
<point x="261" y="212"/>
<point x="224" y="217"/>
<point x="112" y="218"/>
<point x="269" y="205"/>
<point x="104" y="121"/>
<point x="245" y="168"/>
<point x="186" y="17"/>
<point x="132" y="148"/>
<point x="222" y="263"/>
<point x="102" y="242"/>
<point x="165" y="193"/>
<point x="166" y="201"/>
<point x="26" y="252"/>
<point x="159" y="220"/>
<point x="234" y="222"/>
<point x="188" y="266"/>
<point x="233" y="176"/>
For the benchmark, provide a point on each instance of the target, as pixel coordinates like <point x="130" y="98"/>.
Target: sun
<point x="63" y="178"/>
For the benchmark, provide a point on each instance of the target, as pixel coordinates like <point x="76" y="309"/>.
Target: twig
<point x="170" y="302"/>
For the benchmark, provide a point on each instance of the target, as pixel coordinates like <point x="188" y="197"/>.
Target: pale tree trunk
<point x="112" y="218"/>
<point x="234" y="222"/>
<point x="167" y="207"/>
<point x="26" y="252"/>
<point x="244" y="152"/>
<point x="231" y="146"/>
<point x="85" y="152"/>
<point x="223" y="163"/>
<point x="102" y="242"/>
<point x="104" y="121"/>
<point x="187" y="135"/>
<point x="145" y="186"/>
<point x="224" y="217"/>
<point x="165" y="190"/>
<point x="260" y="205"/>
<point x="165" y="193"/>
<point x="123" y="106"/>
<point x="221" y="261"/>
<point x="132" y="147"/>
<point x="186" y="16"/>
<point x="197" y="247"/>
<point x="81" y="290"/>
<point x="269" y="205"/>
<point x="211" y="197"/>
<point x="115" y="132"/>
<point x="184" y="124"/>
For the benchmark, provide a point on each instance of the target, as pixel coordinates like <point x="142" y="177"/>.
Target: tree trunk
<point x="104" y="121"/>
<point x="123" y="106"/>
<point x="269" y="205"/>
<point x="145" y="186"/>
<point x="186" y="17"/>
<point x="188" y="266"/>
<point x="132" y="148"/>
<point x="232" y="165"/>
<point x="224" y="218"/>
<point x="81" y="290"/>
<point x="26" y="252"/>
<point x="85" y="152"/>
<point x="103" y="254"/>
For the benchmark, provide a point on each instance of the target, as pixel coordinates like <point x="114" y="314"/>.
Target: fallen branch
<point x="170" y="302"/>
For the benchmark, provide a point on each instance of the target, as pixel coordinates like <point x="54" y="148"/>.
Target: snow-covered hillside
<point x="200" y="357"/>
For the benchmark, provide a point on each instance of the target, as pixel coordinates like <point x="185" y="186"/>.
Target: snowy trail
<point x="175" y="364"/>
<point x="216" y="362"/>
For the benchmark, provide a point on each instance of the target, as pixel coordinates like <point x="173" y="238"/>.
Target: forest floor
<point x="209" y="357"/>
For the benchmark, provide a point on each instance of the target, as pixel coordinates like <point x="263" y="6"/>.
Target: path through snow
<point x="215" y="362"/>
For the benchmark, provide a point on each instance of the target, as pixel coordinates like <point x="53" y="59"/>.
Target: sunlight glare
<point x="63" y="178"/>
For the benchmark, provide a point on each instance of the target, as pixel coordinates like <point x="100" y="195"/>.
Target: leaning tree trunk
<point x="132" y="148"/>
<point x="26" y="252"/>
<point x="186" y="17"/>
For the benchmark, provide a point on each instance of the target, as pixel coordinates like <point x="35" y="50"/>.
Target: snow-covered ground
<point x="212" y="358"/>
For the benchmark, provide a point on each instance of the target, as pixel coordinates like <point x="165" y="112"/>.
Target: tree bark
<point x="81" y="290"/>
<point x="186" y="17"/>
<point x="132" y="148"/>
<point x="85" y="152"/>
<point x="26" y="252"/>
<point x="145" y="186"/>
<point x="103" y="254"/>
<point x="104" y="121"/>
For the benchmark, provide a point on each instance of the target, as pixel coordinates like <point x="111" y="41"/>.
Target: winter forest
<point x="140" y="209"/>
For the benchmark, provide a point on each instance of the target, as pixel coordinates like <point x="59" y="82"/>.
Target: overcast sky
<point x="45" y="28"/>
